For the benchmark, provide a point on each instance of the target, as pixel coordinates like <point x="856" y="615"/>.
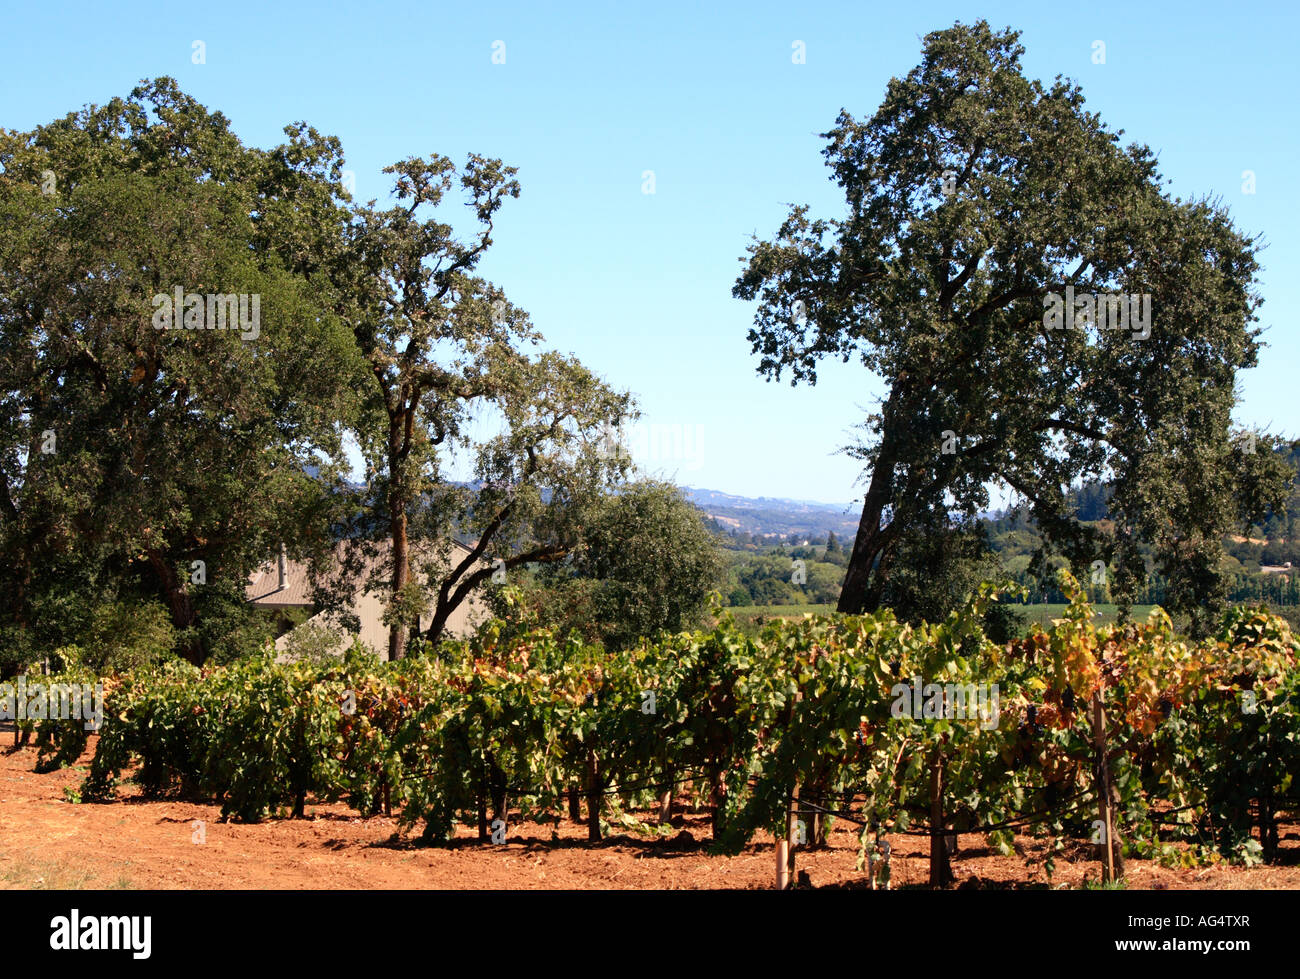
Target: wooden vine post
<point x="871" y="856"/>
<point x="871" y="864"/>
<point x="666" y="803"/>
<point x="782" y="863"/>
<point x="792" y="833"/>
<point x="717" y="797"/>
<point x="594" y="792"/>
<point x="785" y="847"/>
<point x="940" y="869"/>
<point x="1103" y="788"/>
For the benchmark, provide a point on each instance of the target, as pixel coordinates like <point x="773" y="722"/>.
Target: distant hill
<point x="760" y="517"/>
<point x="776" y="517"/>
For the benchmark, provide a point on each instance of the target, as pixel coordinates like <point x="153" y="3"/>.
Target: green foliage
<point x="647" y="565"/>
<point x="1017" y="541"/>
<point x="1236" y="744"/>
<point x="126" y="636"/>
<point x="973" y="194"/>
<point x="830" y="704"/>
<point x="444" y="346"/>
<point x="768" y="577"/>
<point x="655" y="561"/>
<point x="169" y="446"/>
<point x="17" y="650"/>
<point x="316" y="643"/>
<point x="750" y="619"/>
<point x="937" y="565"/>
<point x="256" y="734"/>
<point x="60" y="743"/>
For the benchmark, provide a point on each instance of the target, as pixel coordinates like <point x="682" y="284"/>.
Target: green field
<point x="1105" y="614"/>
<point x="752" y="618"/>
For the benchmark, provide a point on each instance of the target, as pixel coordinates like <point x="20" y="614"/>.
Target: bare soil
<point x="48" y="842"/>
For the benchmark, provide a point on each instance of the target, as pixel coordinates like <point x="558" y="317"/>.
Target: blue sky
<point x="590" y="96"/>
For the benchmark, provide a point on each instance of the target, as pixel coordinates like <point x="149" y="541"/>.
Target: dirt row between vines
<point x="49" y="842"/>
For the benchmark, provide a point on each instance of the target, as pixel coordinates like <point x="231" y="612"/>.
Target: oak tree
<point x="978" y="202"/>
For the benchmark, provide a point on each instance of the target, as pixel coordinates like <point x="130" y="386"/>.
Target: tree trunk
<point x="179" y="602"/>
<point x="859" y="591"/>
<point x="441" y="613"/>
<point x="888" y="547"/>
<point x="401" y="572"/>
<point x="18" y="601"/>
<point x="575" y="805"/>
<point x="401" y="426"/>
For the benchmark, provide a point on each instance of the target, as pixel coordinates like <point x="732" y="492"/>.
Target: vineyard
<point x="1128" y="736"/>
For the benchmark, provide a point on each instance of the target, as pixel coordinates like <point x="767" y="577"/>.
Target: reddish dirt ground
<point x="48" y="842"/>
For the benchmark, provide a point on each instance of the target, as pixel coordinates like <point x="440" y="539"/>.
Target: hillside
<point x="773" y="517"/>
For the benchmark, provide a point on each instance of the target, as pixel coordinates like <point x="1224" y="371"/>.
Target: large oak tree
<point x="140" y="462"/>
<point x="972" y="194"/>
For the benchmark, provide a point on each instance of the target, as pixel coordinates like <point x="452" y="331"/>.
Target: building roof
<point x="263" y="588"/>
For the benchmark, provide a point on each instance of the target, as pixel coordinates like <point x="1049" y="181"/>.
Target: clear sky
<point x="706" y="96"/>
